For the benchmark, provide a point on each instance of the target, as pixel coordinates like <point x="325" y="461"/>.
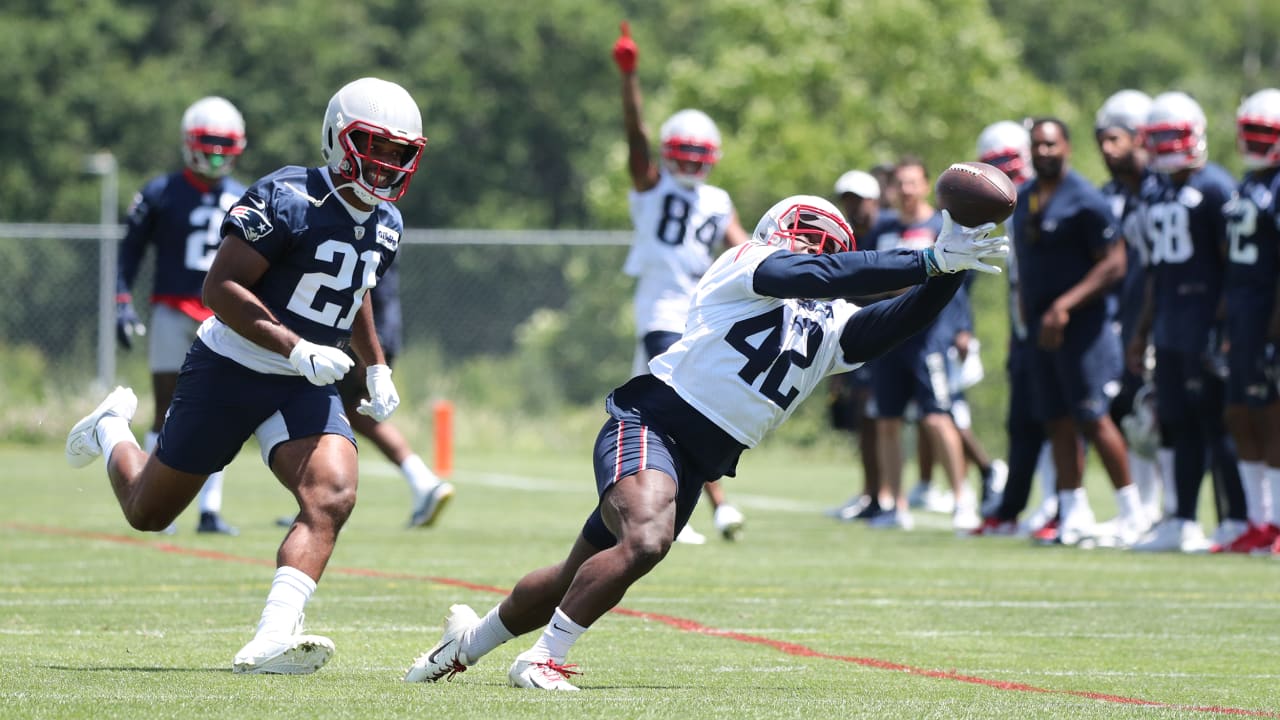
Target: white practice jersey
<point x="677" y="230"/>
<point x="746" y="360"/>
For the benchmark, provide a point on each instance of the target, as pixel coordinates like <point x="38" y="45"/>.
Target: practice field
<point x="804" y="617"/>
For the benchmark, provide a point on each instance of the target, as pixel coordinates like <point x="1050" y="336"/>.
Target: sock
<point x="1272" y="476"/>
<point x="1251" y="477"/>
<point x="111" y="431"/>
<point x="420" y="478"/>
<point x="1164" y="459"/>
<point x="211" y="494"/>
<point x="1129" y="504"/>
<point x="1147" y="479"/>
<point x="1047" y="471"/>
<point x="290" y="590"/>
<point x="151" y="439"/>
<point x="479" y="640"/>
<point x="557" y="638"/>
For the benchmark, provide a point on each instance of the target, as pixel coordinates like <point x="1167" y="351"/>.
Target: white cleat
<point x="280" y="654"/>
<point x="541" y="674"/>
<point x="689" y="536"/>
<point x="728" y="521"/>
<point x="446" y="659"/>
<point x="82" y="441"/>
<point x="1174" y="535"/>
<point x="431" y="505"/>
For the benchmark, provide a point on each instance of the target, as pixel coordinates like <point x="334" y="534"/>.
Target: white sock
<point x="420" y="478"/>
<point x="1168" y="491"/>
<point x="1251" y="477"/>
<point x="1129" y="503"/>
<point x="1273" y="484"/>
<point x="211" y="494"/>
<point x="557" y="638"/>
<point x="1066" y="505"/>
<point x="290" y="590"/>
<point x="480" y="639"/>
<point x="1047" y="471"/>
<point x="111" y="431"/>
<point x="151" y="439"/>
<point x="1147" y="479"/>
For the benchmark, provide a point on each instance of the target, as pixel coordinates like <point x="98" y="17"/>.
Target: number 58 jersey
<point x="324" y="256"/>
<point x="746" y="360"/>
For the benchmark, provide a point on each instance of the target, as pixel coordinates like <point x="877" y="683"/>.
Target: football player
<point x="1253" y="323"/>
<point x="180" y="215"/>
<point x="1115" y="130"/>
<point x="763" y="332"/>
<point x="680" y="222"/>
<point x="1186" y="232"/>
<point x="1069" y="258"/>
<point x="289" y="289"/>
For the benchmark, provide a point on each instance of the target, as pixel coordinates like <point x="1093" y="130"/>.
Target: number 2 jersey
<point x="324" y="256"/>
<point x="181" y="216"/>
<point x="676" y="229"/>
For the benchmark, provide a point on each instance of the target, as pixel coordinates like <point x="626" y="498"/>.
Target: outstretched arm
<point x="874" y="330"/>
<point x="839" y="275"/>
<point x="644" y="172"/>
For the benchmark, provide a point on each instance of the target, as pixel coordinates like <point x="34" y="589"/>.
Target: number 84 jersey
<point x="324" y="256"/>
<point x="676" y="229"/>
<point x="746" y="360"/>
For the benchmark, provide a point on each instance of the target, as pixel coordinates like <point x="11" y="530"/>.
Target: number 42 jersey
<point x="324" y="256"/>
<point x="746" y="360"/>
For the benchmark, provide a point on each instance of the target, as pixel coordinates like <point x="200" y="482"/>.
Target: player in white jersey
<point x="766" y="327"/>
<point x="681" y="223"/>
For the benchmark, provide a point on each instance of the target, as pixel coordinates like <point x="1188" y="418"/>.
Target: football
<point x="976" y="193"/>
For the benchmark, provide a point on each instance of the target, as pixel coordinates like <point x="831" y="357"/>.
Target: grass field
<point x="802" y="618"/>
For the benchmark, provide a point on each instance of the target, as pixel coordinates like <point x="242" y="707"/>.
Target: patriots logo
<point x="388" y="238"/>
<point x="252" y="222"/>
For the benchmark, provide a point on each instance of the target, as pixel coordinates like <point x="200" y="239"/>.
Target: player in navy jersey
<point x="300" y="250"/>
<point x="1069" y="257"/>
<point x="915" y="371"/>
<point x="179" y="215"/>
<point x="764" y="330"/>
<point x="1187" y="232"/>
<point x="858" y="195"/>
<point x="680" y="223"/>
<point x="1253" y="322"/>
<point x="1115" y="129"/>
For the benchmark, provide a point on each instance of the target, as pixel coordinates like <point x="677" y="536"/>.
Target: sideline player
<point x="289" y="284"/>
<point x="679" y="219"/>
<point x="763" y="333"/>
<point x="180" y="214"/>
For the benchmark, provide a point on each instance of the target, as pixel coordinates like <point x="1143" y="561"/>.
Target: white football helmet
<point x="689" y="136"/>
<point x="1174" y="133"/>
<point x="1258" y="129"/>
<point x="808" y="216"/>
<point x="1127" y="109"/>
<point x="212" y="136"/>
<point x="1007" y="146"/>
<point x="1141" y="426"/>
<point x="362" y="110"/>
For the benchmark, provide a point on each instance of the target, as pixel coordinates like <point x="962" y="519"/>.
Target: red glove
<point x="625" y="52"/>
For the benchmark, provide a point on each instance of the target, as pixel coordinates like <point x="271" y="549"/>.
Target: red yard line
<point x="682" y="624"/>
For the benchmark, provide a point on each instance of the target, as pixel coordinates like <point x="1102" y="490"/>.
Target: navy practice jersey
<point x="1186" y="229"/>
<point x="1253" y="239"/>
<point x="1126" y="206"/>
<point x="323" y="254"/>
<point x="387" y="316"/>
<point x="1059" y="243"/>
<point x="182" y="218"/>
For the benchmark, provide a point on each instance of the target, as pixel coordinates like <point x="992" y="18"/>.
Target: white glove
<point x="963" y="248"/>
<point x="319" y="364"/>
<point x="383" y="398"/>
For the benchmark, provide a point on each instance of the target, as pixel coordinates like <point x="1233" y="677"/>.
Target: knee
<point x="333" y="501"/>
<point x="646" y="548"/>
<point x="147" y="521"/>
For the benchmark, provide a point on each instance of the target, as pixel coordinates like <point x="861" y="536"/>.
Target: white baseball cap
<point x="858" y="183"/>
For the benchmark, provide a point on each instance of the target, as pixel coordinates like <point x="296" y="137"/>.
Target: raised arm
<point x="644" y="172"/>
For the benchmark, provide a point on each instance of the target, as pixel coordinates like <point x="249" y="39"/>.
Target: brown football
<point x="976" y="193"/>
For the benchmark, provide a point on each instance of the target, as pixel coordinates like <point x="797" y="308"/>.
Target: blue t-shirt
<point x="322" y="260"/>
<point x="1185" y="229"/>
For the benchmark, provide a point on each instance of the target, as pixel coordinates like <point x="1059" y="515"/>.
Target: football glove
<point x="383" y="398"/>
<point x="625" y="52"/>
<point x="128" y="324"/>
<point x="964" y="248"/>
<point x="319" y="364"/>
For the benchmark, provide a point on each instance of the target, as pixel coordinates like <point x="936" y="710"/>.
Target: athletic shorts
<point x="170" y="335"/>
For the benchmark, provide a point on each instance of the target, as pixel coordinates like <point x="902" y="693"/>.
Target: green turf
<point x="862" y="623"/>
